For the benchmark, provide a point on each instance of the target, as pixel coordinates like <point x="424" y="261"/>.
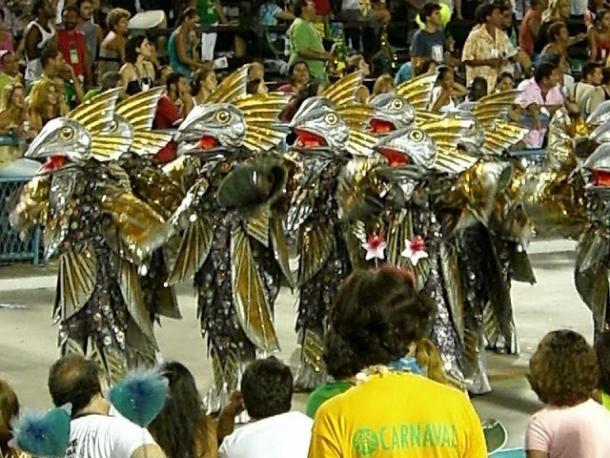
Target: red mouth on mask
<point x="395" y="157"/>
<point x="379" y="126"/>
<point x="308" y="140"/>
<point x="54" y="163"/>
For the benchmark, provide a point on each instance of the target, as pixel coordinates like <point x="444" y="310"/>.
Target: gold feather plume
<point x="418" y="91"/>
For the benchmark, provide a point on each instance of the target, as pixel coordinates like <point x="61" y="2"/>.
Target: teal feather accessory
<point x="140" y="396"/>
<point x="44" y="434"/>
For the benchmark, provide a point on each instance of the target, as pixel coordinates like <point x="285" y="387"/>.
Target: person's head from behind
<point x="478" y="89"/>
<point x="10" y="63"/>
<point x="299" y="73"/>
<point x="74" y="379"/>
<point x="563" y="371"/>
<point x="430" y="15"/>
<point x="12" y="97"/>
<point x="357" y="63"/>
<point x="505" y="82"/>
<point x="557" y="33"/>
<point x="70" y="16"/>
<point x="376" y="317"/>
<point x="204" y="82"/>
<point x="176" y="84"/>
<point x="9" y="411"/>
<point x="267" y="388"/>
<point x="52" y="60"/>
<point x="383" y="84"/>
<point x="110" y="80"/>
<point x="117" y="21"/>
<point x="189" y="18"/>
<point x="305" y="9"/>
<point x="592" y="73"/>
<point x="547" y="75"/>
<point x="445" y="78"/>
<point x="136" y="46"/>
<point x="256" y="87"/>
<point x="177" y="425"/>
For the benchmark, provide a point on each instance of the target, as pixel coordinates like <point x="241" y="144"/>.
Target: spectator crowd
<point x="388" y="396"/>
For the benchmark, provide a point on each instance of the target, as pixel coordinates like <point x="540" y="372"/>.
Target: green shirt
<point x="323" y="393"/>
<point x="303" y="35"/>
<point x="207" y="11"/>
<point x="5" y="80"/>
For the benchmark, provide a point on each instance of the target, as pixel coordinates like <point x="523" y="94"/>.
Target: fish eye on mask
<point x="331" y="119"/>
<point x="416" y="135"/>
<point x="223" y="116"/>
<point x="66" y="133"/>
<point x="397" y="104"/>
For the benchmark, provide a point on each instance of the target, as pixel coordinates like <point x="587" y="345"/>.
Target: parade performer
<point x="99" y="230"/>
<point x="233" y="236"/>
<point x="328" y="138"/>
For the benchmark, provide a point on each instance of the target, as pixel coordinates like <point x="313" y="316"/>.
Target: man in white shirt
<point x="93" y="433"/>
<point x="274" y="431"/>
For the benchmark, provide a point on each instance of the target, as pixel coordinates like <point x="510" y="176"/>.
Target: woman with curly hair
<point x="564" y="373"/>
<point x="392" y="411"/>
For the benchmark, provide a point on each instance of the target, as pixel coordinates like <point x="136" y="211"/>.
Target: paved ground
<point x="27" y="335"/>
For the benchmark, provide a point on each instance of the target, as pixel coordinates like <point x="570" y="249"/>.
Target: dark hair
<point x="131" y="53"/>
<point x="606" y="75"/>
<point x="38" y="5"/>
<point x="506" y="75"/>
<point x="602" y="349"/>
<point x="588" y="69"/>
<point x="298" y="7"/>
<point x="2" y="14"/>
<point x="293" y="66"/>
<point x="441" y="71"/>
<point x="9" y="410"/>
<point x="178" y="427"/>
<point x="173" y="79"/>
<point x="428" y="10"/>
<point x="5" y="55"/>
<point x="50" y="51"/>
<point x="79" y="3"/>
<point x="376" y="316"/>
<point x="198" y="77"/>
<point x="544" y="70"/>
<point x="187" y="13"/>
<point x="563" y="369"/>
<point x="554" y="30"/>
<point x="74" y="9"/>
<point x="485" y="10"/>
<point x="267" y="388"/>
<point x="73" y="379"/>
<point x="478" y="84"/>
<point x="252" y="86"/>
<point x="551" y="58"/>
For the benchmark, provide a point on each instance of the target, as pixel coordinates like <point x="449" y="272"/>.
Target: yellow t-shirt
<point x="398" y="415"/>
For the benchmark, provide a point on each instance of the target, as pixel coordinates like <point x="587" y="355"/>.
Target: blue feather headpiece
<point x="44" y="434"/>
<point x="140" y="396"/>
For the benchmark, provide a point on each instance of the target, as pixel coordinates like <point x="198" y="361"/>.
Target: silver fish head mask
<point x="391" y="112"/>
<point x="408" y="146"/>
<point x="211" y="127"/>
<point x="319" y="127"/>
<point x="596" y="169"/>
<point x="601" y="115"/>
<point x="63" y="143"/>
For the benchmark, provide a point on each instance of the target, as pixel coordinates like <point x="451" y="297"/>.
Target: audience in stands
<point x="306" y="43"/>
<point x="428" y="43"/>
<point x="274" y="431"/>
<point x="376" y="317"/>
<point x="270" y="13"/>
<point x="138" y="72"/>
<point x="203" y="85"/>
<point x="587" y="93"/>
<point x="446" y="93"/>
<point x="299" y="77"/>
<point x="181" y="57"/>
<point x="558" y="39"/>
<point x="7" y="42"/>
<point x="357" y="63"/>
<point x="12" y="117"/>
<point x="211" y="13"/>
<point x="93" y="432"/>
<point x="599" y="37"/>
<point x="175" y="104"/>
<point x="487" y="46"/>
<point x="182" y="429"/>
<point x="111" y="54"/>
<point x="564" y="373"/>
<point x="383" y="84"/>
<point x="72" y="45"/>
<point x="39" y="33"/>
<point x="530" y="25"/>
<point x="10" y="69"/>
<point x="540" y="98"/>
<point x="109" y="80"/>
<point x="44" y="103"/>
<point x="93" y="32"/>
<point x="256" y="87"/>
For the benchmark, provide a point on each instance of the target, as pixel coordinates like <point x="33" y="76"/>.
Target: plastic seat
<point x="509" y="453"/>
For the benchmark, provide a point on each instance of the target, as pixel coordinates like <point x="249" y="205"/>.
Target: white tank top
<point x="33" y="67"/>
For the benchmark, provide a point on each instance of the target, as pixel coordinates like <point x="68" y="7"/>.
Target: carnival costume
<point x="328" y="138"/>
<point x="232" y="232"/>
<point x="100" y="231"/>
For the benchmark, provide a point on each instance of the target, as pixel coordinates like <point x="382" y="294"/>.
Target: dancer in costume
<point x="233" y="235"/>
<point x="327" y="140"/>
<point x="99" y="230"/>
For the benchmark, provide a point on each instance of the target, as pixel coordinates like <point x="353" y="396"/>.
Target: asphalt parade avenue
<point x="28" y="336"/>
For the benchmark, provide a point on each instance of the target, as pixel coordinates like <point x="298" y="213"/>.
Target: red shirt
<point x="526" y="39"/>
<point x="322" y="7"/>
<point x="167" y="115"/>
<point x="72" y="46"/>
